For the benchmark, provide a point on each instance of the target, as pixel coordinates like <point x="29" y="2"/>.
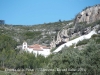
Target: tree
<point x="92" y="58"/>
<point x="3" y="58"/>
<point x="7" y="42"/>
<point x="68" y="58"/>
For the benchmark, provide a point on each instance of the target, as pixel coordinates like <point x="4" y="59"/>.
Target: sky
<point x="32" y="12"/>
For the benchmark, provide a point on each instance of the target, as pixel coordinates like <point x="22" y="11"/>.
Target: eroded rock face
<point x="62" y="37"/>
<point x="53" y="43"/>
<point x="89" y="15"/>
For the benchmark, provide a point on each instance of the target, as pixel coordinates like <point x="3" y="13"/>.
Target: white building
<point x="36" y="49"/>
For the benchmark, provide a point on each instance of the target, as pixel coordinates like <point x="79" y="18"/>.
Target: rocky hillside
<point x="89" y="14"/>
<point x="57" y="33"/>
<point x="40" y="34"/>
<point x="84" y="22"/>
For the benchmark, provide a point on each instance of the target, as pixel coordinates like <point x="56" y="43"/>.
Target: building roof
<point x="38" y="47"/>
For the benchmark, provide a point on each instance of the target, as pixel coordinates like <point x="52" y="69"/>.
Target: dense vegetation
<point x="7" y="73"/>
<point x="13" y="35"/>
<point x="69" y="61"/>
<point x="41" y="33"/>
<point x="16" y="59"/>
<point x="72" y="61"/>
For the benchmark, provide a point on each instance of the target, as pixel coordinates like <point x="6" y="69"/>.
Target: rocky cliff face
<point x="79" y="27"/>
<point x="62" y="36"/>
<point x="89" y="15"/>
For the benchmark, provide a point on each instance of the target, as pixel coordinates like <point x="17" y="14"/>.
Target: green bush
<point x="95" y="35"/>
<point x="2" y="69"/>
<point x="96" y="38"/>
<point x="82" y="42"/>
<point x="6" y="42"/>
<point x="53" y="49"/>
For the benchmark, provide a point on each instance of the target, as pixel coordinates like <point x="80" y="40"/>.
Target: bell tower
<point x="24" y="46"/>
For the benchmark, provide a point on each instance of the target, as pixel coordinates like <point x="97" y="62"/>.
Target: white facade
<point x="24" y="46"/>
<point x="43" y="51"/>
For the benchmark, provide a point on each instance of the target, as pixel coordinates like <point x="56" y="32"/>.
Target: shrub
<point x="95" y="35"/>
<point x="96" y="38"/>
<point x="82" y="42"/>
<point x="2" y="69"/>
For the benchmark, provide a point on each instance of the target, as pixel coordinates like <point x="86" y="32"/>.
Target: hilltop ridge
<point x="89" y="14"/>
<point x="84" y="23"/>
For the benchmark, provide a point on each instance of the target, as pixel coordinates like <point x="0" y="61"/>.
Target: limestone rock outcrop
<point x="89" y="15"/>
<point x="53" y="43"/>
<point x="61" y="38"/>
<point x="78" y="28"/>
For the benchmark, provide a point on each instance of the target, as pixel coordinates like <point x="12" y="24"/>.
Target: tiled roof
<point x="44" y="47"/>
<point x="38" y="47"/>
